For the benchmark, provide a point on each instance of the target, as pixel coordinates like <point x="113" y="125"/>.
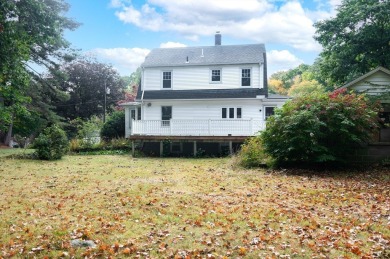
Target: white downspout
<point x="143" y="88"/>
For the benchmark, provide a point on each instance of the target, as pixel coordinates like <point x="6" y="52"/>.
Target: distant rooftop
<point x="207" y="55"/>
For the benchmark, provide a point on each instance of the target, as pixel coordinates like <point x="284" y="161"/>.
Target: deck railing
<point x="226" y="127"/>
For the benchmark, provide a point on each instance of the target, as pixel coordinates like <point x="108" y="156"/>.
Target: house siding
<point x="203" y="110"/>
<point x="196" y="78"/>
<point x="379" y="78"/>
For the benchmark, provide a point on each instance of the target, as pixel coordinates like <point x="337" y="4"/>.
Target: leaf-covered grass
<point x="199" y="208"/>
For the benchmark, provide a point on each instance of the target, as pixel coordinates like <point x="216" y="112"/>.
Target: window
<point x="166" y="115"/>
<point x="245" y="77"/>
<point x="216" y="75"/>
<point x="269" y="111"/>
<point x="135" y="114"/>
<point x="139" y="113"/>
<point x="224" y="113"/>
<point x="132" y="114"/>
<point x="234" y="113"/>
<point x="238" y="113"/>
<point x="167" y="79"/>
<point x="231" y="113"/>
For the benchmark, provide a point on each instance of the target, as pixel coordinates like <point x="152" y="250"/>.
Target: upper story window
<point x="246" y="77"/>
<point x="167" y="79"/>
<point x="215" y="75"/>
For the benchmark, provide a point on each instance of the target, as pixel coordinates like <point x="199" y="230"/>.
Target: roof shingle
<point x="212" y="55"/>
<point x="201" y="94"/>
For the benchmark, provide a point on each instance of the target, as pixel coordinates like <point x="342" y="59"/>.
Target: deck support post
<point x="195" y="148"/>
<point x="132" y="148"/>
<point x="231" y="147"/>
<point x="161" y="148"/>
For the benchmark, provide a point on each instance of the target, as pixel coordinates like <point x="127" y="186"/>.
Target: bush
<point x="51" y="144"/>
<point x="114" y="126"/>
<point x="78" y="145"/>
<point x="252" y="154"/>
<point x="319" y="128"/>
<point x="89" y="131"/>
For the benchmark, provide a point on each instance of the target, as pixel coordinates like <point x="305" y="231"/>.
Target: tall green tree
<point x="355" y="41"/>
<point x="85" y="86"/>
<point x="31" y="32"/>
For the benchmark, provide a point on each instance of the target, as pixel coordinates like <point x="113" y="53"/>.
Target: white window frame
<point x="162" y="79"/>
<point x="166" y="123"/>
<point x="250" y="78"/>
<point x="268" y="106"/>
<point x="235" y="109"/>
<point x="241" y="112"/>
<point x="211" y="75"/>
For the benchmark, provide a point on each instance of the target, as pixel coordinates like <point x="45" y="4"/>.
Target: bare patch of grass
<point x="160" y="208"/>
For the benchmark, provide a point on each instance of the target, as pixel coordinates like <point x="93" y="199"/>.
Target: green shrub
<point x="319" y="128"/>
<point x="252" y="154"/>
<point x="79" y="145"/>
<point x="51" y="144"/>
<point x="119" y="144"/>
<point x="114" y="126"/>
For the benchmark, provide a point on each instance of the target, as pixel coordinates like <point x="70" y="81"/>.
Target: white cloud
<point x="116" y="3"/>
<point x="171" y="44"/>
<point x="280" y="60"/>
<point x="258" y="20"/>
<point x="126" y="60"/>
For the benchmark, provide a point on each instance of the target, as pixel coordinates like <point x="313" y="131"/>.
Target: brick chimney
<point x="218" y="38"/>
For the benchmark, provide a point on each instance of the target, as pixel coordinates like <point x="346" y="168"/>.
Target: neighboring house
<point x="374" y="83"/>
<point x="210" y="97"/>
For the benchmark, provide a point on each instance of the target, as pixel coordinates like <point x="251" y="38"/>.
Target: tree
<point x="303" y="85"/>
<point x="280" y="82"/>
<point x="30" y="32"/>
<point x="276" y="86"/>
<point x="133" y="79"/>
<point x="86" y="85"/>
<point x="355" y="41"/>
<point x="319" y="128"/>
<point x="114" y="127"/>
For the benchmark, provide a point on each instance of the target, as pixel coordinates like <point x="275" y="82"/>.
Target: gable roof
<point x="384" y="70"/>
<point x="201" y="94"/>
<point x="212" y="55"/>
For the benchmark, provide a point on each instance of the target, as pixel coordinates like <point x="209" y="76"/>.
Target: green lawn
<point x="188" y="208"/>
<point x="4" y="152"/>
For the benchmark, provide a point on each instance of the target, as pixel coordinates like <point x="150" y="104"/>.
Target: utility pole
<point x="105" y="100"/>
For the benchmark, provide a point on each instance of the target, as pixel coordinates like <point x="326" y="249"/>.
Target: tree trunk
<point x="9" y="133"/>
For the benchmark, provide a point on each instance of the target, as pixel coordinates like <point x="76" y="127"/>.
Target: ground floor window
<point x="232" y="113"/>
<point x="269" y="111"/>
<point x="135" y="114"/>
<point x="166" y="115"/>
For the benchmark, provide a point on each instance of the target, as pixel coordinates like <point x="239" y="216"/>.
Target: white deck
<point x="223" y="127"/>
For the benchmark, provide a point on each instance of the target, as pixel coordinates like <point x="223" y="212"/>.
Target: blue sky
<point x="122" y="32"/>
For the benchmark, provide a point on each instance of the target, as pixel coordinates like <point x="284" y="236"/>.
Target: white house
<point x="192" y="95"/>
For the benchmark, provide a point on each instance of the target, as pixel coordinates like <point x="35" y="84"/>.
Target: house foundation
<point x="188" y="145"/>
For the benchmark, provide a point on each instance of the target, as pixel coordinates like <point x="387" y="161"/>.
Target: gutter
<point x="143" y="89"/>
